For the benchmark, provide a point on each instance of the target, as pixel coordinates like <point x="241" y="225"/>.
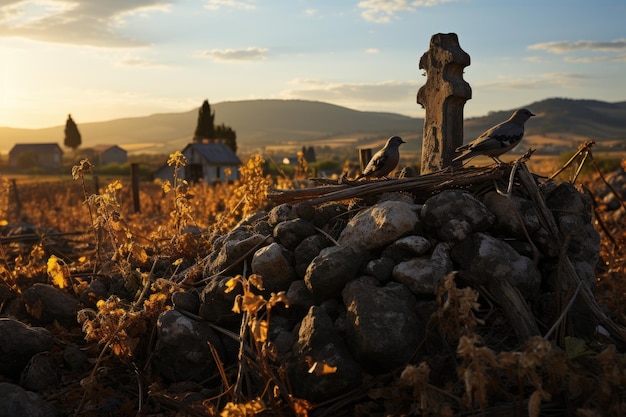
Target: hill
<point x="281" y="123"/>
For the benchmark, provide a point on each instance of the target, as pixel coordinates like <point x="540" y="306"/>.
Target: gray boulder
<point x="19" y="343"/>
<point x="273" y="264"/>
<point x="424" y="274"/>
<point x="380" y="225"/>
<point x="382" y="328"/>
<point x="331" y="270"/>
<point x="47" y="303"/>
<point x="484" y="260"/>
<point x="17" y="402"/>
<point x="453" y="215"/>
<point x="183" y="351"/>
<point x="319" y="343"/>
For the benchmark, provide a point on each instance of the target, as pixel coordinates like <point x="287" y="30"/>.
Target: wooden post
<point x="443" y="96"/>
<point x="14" y="197"/>
<point x="134" y="177"/>
<point x="364" y="157"/>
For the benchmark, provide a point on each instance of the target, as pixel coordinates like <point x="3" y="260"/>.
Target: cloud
<point x="372" y="50"/>
<point x="561" y="47"/>
<point x="384" y="91"/>
<point x="248" y="54"/>
<point x="140" y="62"/>
<point x="235" y="4"/>
<point x="541" y="81"/>
<point x="81" y="22"/>
<point x="383" y="11"/>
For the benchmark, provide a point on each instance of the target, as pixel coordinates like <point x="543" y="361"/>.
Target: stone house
<point x="27" y="156"/>
<point x="208" y="162"/>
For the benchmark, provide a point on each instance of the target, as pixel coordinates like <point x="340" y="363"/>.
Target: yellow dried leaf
<point x="281" y="297"/>
<point x="257" y="281"/>
<point x="252" y="303"/>
<point x="3" y="222"/>
<point x="177" y="262"/>
<point x="250" y="408"/>
<point x="231" y="284"/>
<point x="322" y="368"/>
<point x="301" y="407"/>
<point x="57" y="271"/>
<point x="259" y="330"/>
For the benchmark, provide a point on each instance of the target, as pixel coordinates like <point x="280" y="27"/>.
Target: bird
<point x="384" y="161"/>
<point x="497" y="140"/>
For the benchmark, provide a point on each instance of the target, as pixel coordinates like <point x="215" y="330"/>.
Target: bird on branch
<point x="497" y="140"/>
<point x="384" y="161"/>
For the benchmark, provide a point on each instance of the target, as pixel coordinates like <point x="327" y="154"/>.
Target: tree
<point x="309" y="154"/>
<point x="205" y="128"/>
<point x="72" y="135"/>
<point x="228" y="135"/>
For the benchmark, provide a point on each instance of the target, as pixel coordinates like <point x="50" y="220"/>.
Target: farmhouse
<point x="108" y="154"/>
<point x="208" y="162"/>
<point x="45" y="156"/>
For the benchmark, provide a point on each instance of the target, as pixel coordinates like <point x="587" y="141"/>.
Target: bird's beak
<point x="532" y="114"/>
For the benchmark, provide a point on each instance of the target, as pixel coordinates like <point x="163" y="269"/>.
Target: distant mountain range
<point x="262" y="124"/>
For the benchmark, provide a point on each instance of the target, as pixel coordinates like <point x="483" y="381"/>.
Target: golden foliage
<point x="58" y="271"/>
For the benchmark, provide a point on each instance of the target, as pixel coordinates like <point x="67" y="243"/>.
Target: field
<point x="90" y="234"/>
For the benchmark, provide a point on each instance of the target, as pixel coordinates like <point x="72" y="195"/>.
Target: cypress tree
<point x="205" y="129"/>
<point x="72" y="135"/>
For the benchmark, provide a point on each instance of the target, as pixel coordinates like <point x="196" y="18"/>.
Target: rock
<point x="291" y="232"/>
<point x="331" y="270"/>
<point x="453" y="215"/>
<point x="95" y="291"/>
<point x="217" y="304"/>
<point x="183" y="351"/>
<point x="513" y="215"/>
<point x="232" y="251"/>
<point x="407" y="247"/>
<point x="565" y="200"/>
<point x="186" y="301"/>
<point x="380" y="268"/>
<point x="19" y="343"/>
<point x="423" y="275"/>
<point x="319" y="341"/>
<point x="306" y="251"/>
<point x="47" y="303"/>
<point x="300" y="298"/>
<point x="74" y="358"/>
<point x="273" y="264"/>
<point x="484" y="260"/>
<point x="40" y="373"/>
<point x="305" y="211"/>
<point x="17" y="402"/>
<point x="382" y="327"/>
<point x="380" y="225"/>
<point x="281" y="213"/>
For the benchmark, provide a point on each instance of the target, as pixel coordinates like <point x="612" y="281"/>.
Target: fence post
<point x="134" y="176"/>
<point x="443" y="96"/>
<point x="365" y="155"/>
<point x="14" y="197"/>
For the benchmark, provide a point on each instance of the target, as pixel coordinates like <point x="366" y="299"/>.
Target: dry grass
<point x="462" y="372"/>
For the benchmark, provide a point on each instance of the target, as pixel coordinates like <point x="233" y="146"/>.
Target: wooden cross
<point x="443" y="96"/>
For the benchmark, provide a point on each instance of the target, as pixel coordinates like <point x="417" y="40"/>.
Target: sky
<point x="106" y="59"/>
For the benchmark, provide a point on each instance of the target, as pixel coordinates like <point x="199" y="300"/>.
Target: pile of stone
<point x="361" y="284"/>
